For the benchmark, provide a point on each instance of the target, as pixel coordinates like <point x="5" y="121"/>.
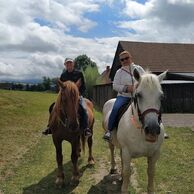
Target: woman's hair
<point x="125" y="52"/>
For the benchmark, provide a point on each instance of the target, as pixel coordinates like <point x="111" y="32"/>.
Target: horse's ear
<point x="60" y="83"/>
<point x="78" y="83"/>
<point x="136" y="74"/>
<point x="162" y="75"/>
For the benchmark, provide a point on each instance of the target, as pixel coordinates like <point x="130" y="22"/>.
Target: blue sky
<point x="105" y="20"/>
<point x="36" y="35"/>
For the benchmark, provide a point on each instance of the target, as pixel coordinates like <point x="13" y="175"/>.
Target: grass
<point x="27" y="159"/>
<point x="175" y="168"/>
<point x="23" y="115"/>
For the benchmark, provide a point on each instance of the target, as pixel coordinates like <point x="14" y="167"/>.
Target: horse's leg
<point x="121" y="163"/>
<point x="75" y="146"/>
<point x="126" y="171"/>
<point x="113" y="169"/>
<point x="151" y="171"/>
<point x="59" y="157"/>
<point x="90" y="157"/>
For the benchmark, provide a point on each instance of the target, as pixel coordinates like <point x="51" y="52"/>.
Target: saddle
<point x="120" y="113"/>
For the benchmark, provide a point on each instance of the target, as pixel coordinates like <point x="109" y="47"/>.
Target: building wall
<point x="178" y="97"/>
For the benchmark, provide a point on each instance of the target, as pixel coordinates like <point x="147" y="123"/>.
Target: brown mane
<point x="67" y="101"/>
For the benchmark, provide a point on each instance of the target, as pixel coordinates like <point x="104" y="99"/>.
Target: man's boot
<point x="47" y="131"/>
<point x="87" y="132"/>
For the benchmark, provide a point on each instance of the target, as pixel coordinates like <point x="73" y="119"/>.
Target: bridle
<point x="145" y="112"/>
<point x="63" y="121"/>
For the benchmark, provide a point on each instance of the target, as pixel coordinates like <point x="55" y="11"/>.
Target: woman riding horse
<point x="140" y="131"/>
<point x="123" y="84"/>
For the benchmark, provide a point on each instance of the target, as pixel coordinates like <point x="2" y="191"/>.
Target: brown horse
<point x="64" y="122"/>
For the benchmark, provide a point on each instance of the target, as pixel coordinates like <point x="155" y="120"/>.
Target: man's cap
<point x="68" y="60"/>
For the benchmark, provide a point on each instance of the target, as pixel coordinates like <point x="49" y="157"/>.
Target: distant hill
<point x="25" y="81"/>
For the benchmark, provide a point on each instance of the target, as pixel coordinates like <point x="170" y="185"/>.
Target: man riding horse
<point x="71" y="74"/>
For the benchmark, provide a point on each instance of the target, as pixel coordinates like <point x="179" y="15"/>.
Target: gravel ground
<point x="178" y="120"/>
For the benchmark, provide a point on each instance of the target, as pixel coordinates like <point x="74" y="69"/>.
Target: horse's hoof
<point x="91" y="162"/>
<point x="59" y="182"/>
<point x="113" y="171"/>
<point x="74" y="180"/>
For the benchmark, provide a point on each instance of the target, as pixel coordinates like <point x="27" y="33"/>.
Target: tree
<point x="90" y="71"/>
<point x="91" y="74"/>
<point x="46" y="83"/>
<point x="83" y="61"/>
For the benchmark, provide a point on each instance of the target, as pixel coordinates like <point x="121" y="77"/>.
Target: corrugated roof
<point x="158" y="57"/>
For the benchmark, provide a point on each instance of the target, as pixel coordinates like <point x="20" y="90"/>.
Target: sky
<point x="37" y="35"/>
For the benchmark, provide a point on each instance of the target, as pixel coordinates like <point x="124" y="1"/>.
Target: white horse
<point x="140" y="131"/>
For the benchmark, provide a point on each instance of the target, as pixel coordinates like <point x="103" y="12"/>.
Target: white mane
<point x="150" y="81"/>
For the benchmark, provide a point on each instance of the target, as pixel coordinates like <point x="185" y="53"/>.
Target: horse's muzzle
<point x="152" y="130"/>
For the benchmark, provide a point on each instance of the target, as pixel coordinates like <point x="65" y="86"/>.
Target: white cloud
<point x="35" y="35"/>
<point x="134" y="9"/>
<point x="160" y="20"/>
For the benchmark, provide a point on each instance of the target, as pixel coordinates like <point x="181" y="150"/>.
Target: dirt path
<point x="111" y="184"/>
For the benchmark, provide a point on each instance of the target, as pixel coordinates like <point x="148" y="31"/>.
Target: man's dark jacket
<point x="74" y="76"/>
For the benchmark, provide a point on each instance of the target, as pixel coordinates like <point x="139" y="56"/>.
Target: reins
<point x="141" y="115"/>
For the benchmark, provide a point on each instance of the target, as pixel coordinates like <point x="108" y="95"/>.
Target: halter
<point x="64" y="123"/>
<point x="144" y="113"/>
<point x="134" y="99"/>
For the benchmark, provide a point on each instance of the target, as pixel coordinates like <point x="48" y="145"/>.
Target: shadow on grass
<point x="110" y="184"/>
<point x="47" y="184"/>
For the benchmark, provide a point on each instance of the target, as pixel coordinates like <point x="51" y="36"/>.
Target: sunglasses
<point x="123" y="59"/>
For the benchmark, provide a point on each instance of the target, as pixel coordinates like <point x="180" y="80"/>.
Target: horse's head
<point x="68" y="104"/>
<point x="148" y="97"/>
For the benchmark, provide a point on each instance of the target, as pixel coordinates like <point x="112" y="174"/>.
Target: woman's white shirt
<point x="124" y="77"/>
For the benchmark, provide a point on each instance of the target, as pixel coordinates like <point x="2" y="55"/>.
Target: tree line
<point x="82" y="63"/>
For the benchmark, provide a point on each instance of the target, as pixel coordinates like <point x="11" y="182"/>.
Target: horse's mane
<point x="70" y="93"/>
<point x="150" y="80"/>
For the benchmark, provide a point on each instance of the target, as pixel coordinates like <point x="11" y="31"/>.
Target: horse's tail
<point x="83" y="142"/>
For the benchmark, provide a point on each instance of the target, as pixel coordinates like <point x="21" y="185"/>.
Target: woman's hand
<point x="130" y="88"/>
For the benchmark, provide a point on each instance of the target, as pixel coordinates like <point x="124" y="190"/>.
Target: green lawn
<point x="27" y="159"/>
<point x="175" y="168"/>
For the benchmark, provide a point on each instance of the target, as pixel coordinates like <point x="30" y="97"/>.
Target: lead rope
<point x="132" y="111"/>
<point x="132" y="98"/>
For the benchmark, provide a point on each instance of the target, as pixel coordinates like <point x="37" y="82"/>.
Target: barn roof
<point x="104" y="77"/>
<point x="157" y="57"/>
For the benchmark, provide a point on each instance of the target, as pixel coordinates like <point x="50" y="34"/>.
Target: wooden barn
<point x="177" y="58"/>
